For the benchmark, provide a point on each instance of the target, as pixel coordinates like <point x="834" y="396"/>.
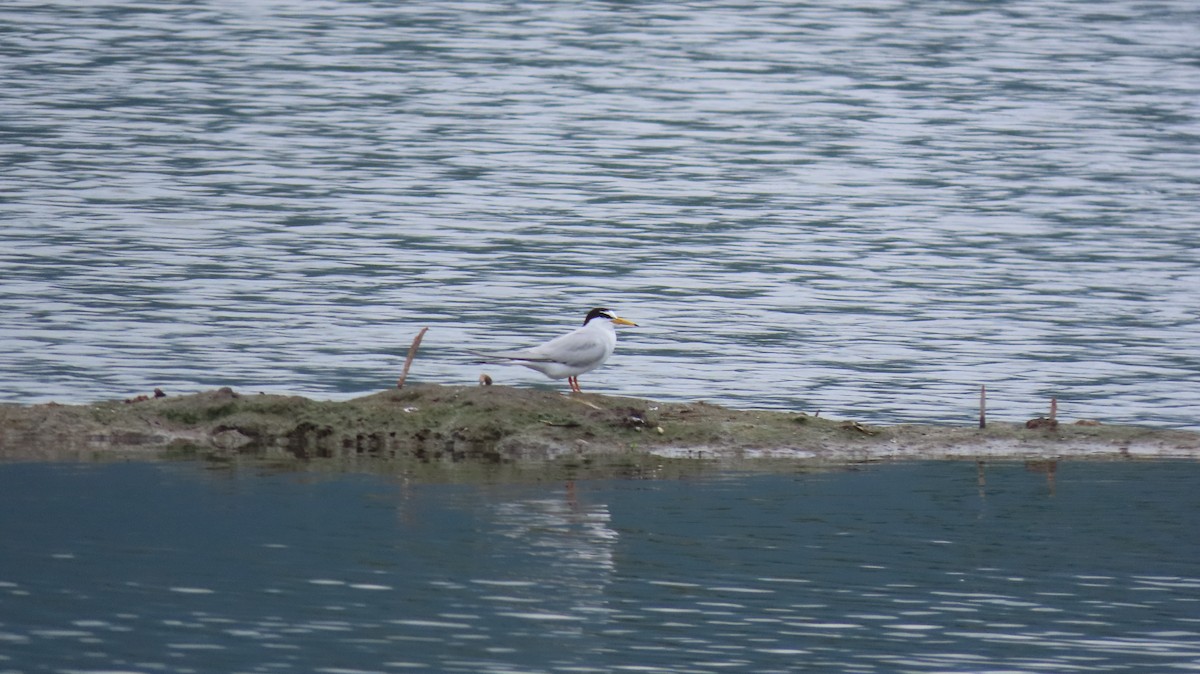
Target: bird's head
<point x="607" y="314"/>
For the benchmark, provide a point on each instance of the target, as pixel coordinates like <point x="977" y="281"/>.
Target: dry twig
<point x="412" y="353"/>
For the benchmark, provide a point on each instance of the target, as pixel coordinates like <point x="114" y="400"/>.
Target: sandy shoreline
<point x="497" y="425"/>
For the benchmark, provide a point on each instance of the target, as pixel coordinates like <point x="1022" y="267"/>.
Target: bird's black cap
<point x="598" y="312"/>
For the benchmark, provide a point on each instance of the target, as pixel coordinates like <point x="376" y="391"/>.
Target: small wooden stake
<point x="983" y="405"/>
<point x="1053" y="409"/>
<point x="412" y="353"/>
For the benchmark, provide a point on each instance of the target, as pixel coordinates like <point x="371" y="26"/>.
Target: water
<point x="900" y="568"/>
<point x="867" y="209"/>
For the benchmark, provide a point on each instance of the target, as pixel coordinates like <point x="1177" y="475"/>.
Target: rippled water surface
<point x="867" y="209"/>
<point x="902" y="568"/>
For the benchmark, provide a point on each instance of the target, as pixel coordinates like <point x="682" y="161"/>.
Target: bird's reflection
<point x="567" y="542"/>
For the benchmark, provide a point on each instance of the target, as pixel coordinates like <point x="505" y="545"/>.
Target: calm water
<point x="867" y="209"/>
<point x="903" y="568"/>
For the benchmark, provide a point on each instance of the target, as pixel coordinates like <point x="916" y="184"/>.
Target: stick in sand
<point x="412" y="353"/>
<point x="983" y="405"/>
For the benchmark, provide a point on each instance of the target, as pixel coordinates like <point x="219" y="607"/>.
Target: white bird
<point x="572" y="354"/>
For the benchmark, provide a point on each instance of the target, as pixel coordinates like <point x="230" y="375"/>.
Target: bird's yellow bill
<point x="622" y="321"/>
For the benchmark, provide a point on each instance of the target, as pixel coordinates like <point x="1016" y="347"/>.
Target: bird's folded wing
<point x="575" y="350"/>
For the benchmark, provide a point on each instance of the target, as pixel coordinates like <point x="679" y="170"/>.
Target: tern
<point x="570" y="355"/>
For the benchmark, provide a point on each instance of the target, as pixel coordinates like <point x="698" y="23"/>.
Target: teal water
<point x="893" y="568"/>
<point x="864" y="209"/>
